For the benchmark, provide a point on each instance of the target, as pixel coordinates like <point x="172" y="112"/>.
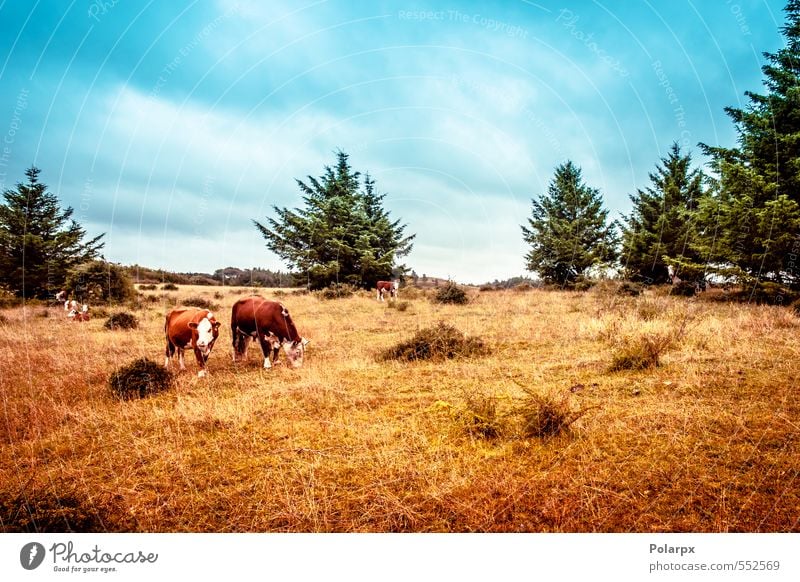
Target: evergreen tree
<point x="568" y="230"/>
<point x="661" y="228"/>
<point x="342" y="234"/>
<point x="751" y="218"/>
<point x="39" y="242"/>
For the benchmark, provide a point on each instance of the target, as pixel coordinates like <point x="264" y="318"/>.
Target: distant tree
<point x="661" y="229"/>
<point x="342" y="234"/>
<point x="568" y="231"/>
<point x="751" y="217"/>
<point x="39" y="242"/>
<point x="99" y="282"/>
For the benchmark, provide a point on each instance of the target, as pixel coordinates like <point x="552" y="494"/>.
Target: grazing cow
<point x="270" y="323"/>
<point x="194" y="328"/>
<point x="387" y="287"/>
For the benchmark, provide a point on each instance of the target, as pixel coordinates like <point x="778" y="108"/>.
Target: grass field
<point x="707" y="441"/>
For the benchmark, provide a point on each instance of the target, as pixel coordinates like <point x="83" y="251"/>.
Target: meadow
<point x="705" y="441"/>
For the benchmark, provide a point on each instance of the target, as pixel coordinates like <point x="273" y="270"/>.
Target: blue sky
<point x="169" y="126"/>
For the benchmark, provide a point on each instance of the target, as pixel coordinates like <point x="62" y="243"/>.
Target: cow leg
<point x="180" y="359"/>
<point x="201" y="362"/>
<point x="266" y="349"/>
<point x="170" y="351"/>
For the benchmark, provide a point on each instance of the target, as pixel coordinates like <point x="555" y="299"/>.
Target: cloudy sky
<point x="170" y="126"/>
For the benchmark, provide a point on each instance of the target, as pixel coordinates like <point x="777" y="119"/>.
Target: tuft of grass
<point x="201" y="302"/>
<point x="479" y="416"/>
<point x="48" y="512"/>
<point x="122" y="320"/>
<point x="138" y="379"/>
<point x="440" y="342"/>
<point x="451" y="293"/>
<point x="398" y="305"/>
<point x="546" y="416"/>
<point x="640" y="352"/>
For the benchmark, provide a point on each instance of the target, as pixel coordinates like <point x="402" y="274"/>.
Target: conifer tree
<point x="39" y="242"/>
<point x="342" y="234"/>
<point x="751" y="218"/>
<point x="661" y="229"/>
<point x="568" y="231"/>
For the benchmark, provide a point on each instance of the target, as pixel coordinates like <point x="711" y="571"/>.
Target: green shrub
<point x="451" y="293"/>
<point x="121" y="320"/>
<point x="435" y="343"/>
<point x="147" y="287"/>
<point x="138" y="379"/>
<point x="201" y="302"/>
<point x="336" y="291"/>
<point x="169" y="287"/>
<point x="99" y="282"/>
<point x="684" y="289"/>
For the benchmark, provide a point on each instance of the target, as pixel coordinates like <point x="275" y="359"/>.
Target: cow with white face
<point x="191" y="328"/>
<point x="387" y="288"/>
<point x="268" y="322"/>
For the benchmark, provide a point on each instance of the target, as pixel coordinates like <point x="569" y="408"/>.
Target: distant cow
<point x="191" y="328"/>
<point x="387" y="288"/>
<point x="270" y="323"/>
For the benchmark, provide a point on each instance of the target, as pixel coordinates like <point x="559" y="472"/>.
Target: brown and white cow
<point x="270" y="323"/>
<point x="193" y="328"/>
<point x="387" y="288"/>
<point x="75" y="311"/>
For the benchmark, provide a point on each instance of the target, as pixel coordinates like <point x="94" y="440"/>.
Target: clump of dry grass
<point x="440" y="342"/>
<point x="641" y="351"/>
<point x="140" y="378"/>
<point x="398" y="305"/>
<point x="121" y="320"/>
<point x="548" y="415"/>
<point x="479" y="416"/>
<point x="48" y="512"/>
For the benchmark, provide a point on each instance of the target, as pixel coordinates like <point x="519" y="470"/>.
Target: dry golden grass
<point x="706" y="441"/>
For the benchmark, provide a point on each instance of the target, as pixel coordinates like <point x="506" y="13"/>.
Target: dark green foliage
<point x="256" y="277"/>
<point x="568" y="230"/>
<point x="121" y="320"/>
<point x="451" y="293"/>
<point x="435" y="343"/>
<point x="201" y="302"/>
<point x="99" y="282"/>
<point x="169" y="287"/>
<point x="138" y="379"/>
<point x="663" y="222"/>
<point x="342" y="234"/>
<point x="48" y="512"/>
<point x="39" y="242"/>
<point x="767" y="293"/>
<point x="752" y="215"/>
<point x="336" y="291"/>
<point x="683" y="289"/>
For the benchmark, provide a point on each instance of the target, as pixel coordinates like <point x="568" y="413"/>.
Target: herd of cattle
<point x="252" y="318"/>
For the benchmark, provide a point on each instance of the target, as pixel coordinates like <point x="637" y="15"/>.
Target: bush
<point x="8" y="299"/>
<point x="641" y="352"/>
<point x="122" y="320"/>
<point x="684" y="289"/>
<point x="795" y="307"/>
<point x="48" y="512"/>
<point x="435" y="343"/>
<point x="336" y="291"/>
<point x="767" y="293"/>
<point x="547" y="416"/>
<point x="138" y="379"/>
<point x="169" y="287"/>
<point x="629" y="289"/>
<point x="451" y="293"/>
<point x="398" y="305"/>
<point x="148" y="287"/>
<point x="99" y="282"/>
<point x="201" y="302"/>
<point x="583" y="284"/>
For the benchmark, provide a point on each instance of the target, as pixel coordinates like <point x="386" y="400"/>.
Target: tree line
<point x="739" y="221"/>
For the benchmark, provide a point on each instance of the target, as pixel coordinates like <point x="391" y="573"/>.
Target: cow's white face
<point x="295" y="351"/>
<point x="207" y="333"/>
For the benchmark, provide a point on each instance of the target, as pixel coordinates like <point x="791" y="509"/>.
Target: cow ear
<point x="304" y="341"/>
<point x="216" y="324"/>
<point x="192" y="325"/>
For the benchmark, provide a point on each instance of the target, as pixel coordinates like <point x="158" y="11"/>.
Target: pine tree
<point x="342" y="234"/>
<point x="39" y="242"/>
<point x="751" y="218"/>
<point x="568" y="231"/>
<point x="661" y="229"/>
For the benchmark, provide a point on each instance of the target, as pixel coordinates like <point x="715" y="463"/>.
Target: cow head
<point x="205" y="333"/>
<point x="295" y="351"/>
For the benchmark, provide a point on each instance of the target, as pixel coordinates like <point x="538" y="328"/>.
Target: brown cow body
<point x="190" y="328"/>
<point x="387" y="288"/>
<point x="270" y="323"/>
